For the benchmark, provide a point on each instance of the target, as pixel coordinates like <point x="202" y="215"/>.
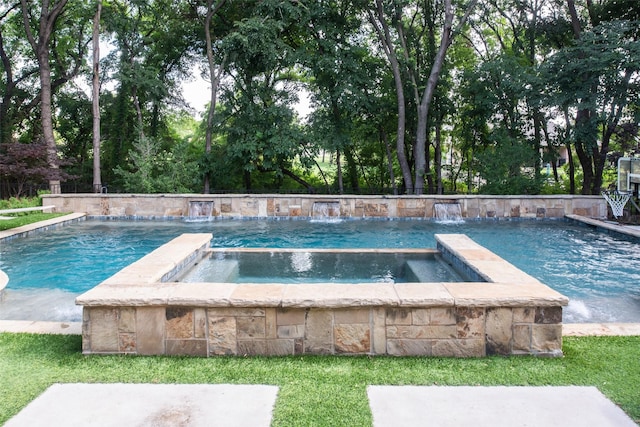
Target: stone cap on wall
<point x="147" y="282"/>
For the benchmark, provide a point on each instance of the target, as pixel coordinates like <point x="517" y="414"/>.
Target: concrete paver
<point x="158" y="405"/>
<point x="409" y="406"/>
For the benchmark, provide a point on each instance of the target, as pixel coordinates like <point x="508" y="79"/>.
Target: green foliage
<point x="507" y="167"/>
<point x="152" y="170"/>
<point x="317" y="390"/>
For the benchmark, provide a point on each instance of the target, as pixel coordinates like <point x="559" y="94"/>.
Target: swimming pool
<point x="599" y="272"/>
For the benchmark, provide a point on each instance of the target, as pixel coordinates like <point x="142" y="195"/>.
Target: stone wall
<point x="306" y="206"/>
<point x="136" y="312"/>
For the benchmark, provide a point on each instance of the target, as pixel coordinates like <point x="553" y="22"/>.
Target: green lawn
<point x="19" y="221"/>
<point x="317" y="390"/>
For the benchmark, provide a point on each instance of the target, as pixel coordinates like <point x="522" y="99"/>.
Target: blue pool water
<point x="599" y="272"/>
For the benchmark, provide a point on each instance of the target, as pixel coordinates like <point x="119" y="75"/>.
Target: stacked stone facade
<point x="436" y="331"/>
<point x="284" y="206"/>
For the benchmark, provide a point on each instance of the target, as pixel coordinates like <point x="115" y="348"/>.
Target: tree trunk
<point x="47" y="19"/>
<point x="438" y="157"/>
<point x="429" y="91"/>
<point x="339" y="172"/>
<point x="97" y="182"/>
<point x="214" y="75"/>
<point x="385" y="39"/>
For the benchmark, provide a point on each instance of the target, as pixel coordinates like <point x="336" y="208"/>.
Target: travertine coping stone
<point x="166" y="261"/>
<point x="508" y="286"/>
<point x="505" y="295"/>
<point x="335" y="295"/>
<point x="40" y="225"/>
<point x="423" y="295"/>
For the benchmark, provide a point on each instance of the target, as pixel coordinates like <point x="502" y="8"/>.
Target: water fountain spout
<point x="448" y="212"/>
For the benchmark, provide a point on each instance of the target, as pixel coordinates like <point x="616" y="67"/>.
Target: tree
<point x="49" y="13"/>
<point x="596" y="77"/>
<point x="396" y="49"/>
<point x="95" y="86"/>
<point x="215" y="75"/>
<point x="26" y="164"/>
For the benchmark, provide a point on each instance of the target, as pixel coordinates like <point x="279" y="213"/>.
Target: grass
<point x="21" y="220"/>
<point x="317" y="390"/>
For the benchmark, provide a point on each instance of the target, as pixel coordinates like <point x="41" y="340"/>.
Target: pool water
<point x="320" y="267"/>
<point x="599" y="272"/>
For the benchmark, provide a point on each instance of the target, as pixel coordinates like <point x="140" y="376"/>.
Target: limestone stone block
<point x="548" y="315"/>
<point x="127" y="320"/>
<point x="498" y="330"/>
<point x="470" y="322"/>
<point x="420" y="316"/>
<point x="318" y="332"/>
<point x="379" y="332"/>
<point x="271" y="327"/>
<point x="150" y="331"/>
<point x="260" y="347"/>
<point x="546" y="339"/>
<point x="398" y="316"/>
<point x="186" y="347"/>
<point x="422" y="332"/>
<point x="524" y="315"/>
<point x="236" y="311"/>
<point x="222" y="335"/>
<point x="443" y="316"/>
<point x="352" y="315"/>
<point x="290" y="331"/>
<point x="179" y="322"/>
<point x="521" y="339"/>
<point x="376" y="210"/>
<point x="290" y="316"/>
<point x="352" y="338"/>
<point x="127" y="342"/>
<point x="251" y="327"/>
<point x="458" y="348"/>
<point x="400" y="347"/>
<point x="200" y="323"/>
<point x="104" y="330"/>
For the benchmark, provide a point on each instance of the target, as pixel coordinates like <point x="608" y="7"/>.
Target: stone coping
<point x="323" y="197"/>
<point x="628" y="230"/>
<point x="147" y="283"/>
<point x="40" y="226"/>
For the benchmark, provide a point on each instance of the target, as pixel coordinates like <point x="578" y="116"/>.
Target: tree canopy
<point x="406" y="97"/>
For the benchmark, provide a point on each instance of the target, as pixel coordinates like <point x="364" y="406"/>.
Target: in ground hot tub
<point x="147" y="308"/>
<point x="288" y="266"/>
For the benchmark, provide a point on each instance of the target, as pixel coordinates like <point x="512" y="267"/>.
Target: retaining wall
<point x="346" y="206"/>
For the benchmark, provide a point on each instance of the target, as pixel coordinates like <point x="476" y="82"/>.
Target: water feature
<point x="448" y="212"/>
<point x="325" y="210"/>
<point x="597" y="271"/>
<point x="201" y="209"/>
